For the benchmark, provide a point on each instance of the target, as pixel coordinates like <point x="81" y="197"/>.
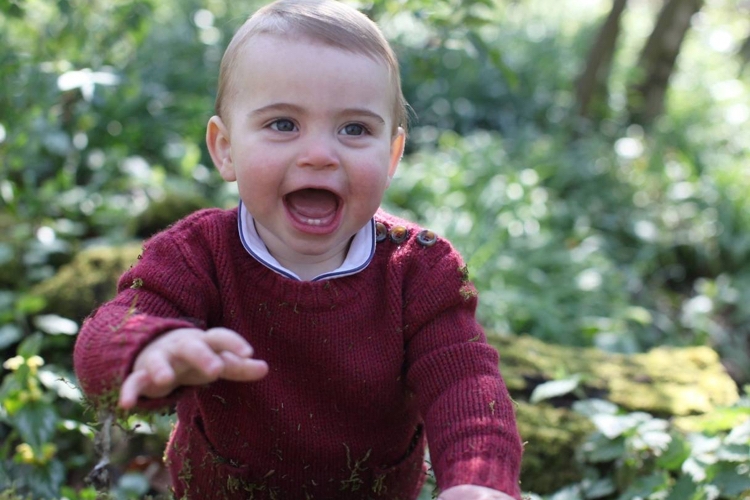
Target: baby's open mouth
<point x="313" y="207"/>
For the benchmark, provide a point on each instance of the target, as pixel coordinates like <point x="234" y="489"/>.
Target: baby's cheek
<point x="374" y="177"/>
<point x="369" y="195"/>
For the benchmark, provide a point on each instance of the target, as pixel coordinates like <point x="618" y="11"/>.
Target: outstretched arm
<point x="172" y="287"/>
<point x="190" y="356"/>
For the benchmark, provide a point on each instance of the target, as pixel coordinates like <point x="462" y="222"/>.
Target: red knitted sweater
<point x="362" y="370"/>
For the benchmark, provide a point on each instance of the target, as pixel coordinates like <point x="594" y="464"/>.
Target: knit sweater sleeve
<point x="169" y="287"/>
<point x="468" y="414"/>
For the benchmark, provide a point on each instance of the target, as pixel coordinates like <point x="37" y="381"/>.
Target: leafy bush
<point x="563" y="246"/>
<point x="636" y="455"/>
<point x="33" y="398"/>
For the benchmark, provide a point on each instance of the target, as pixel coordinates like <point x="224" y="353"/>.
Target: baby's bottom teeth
<point x="314" y="222"/>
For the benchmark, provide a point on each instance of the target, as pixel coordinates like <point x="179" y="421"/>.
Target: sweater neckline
<point x="360" y="253"/>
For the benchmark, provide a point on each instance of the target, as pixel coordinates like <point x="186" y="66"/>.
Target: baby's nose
<point x="318" y="152"/>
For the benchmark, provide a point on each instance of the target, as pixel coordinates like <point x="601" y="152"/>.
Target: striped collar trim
<point x="361" y="251"/>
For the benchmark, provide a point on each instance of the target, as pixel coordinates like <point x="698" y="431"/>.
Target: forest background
<point x="589" y="158"/>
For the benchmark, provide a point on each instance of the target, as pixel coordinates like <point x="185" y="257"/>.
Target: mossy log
<point x="551" y="436"/>
<point x="89" y="280"/>
<point x="665" y="382"/>
<point x="161" y="213"/>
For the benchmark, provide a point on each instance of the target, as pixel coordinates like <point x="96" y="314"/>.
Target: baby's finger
<point x="197" y="355"/>
<point x="158" y="367"/>
<point x="224" y="339"/>
<point x="132" y="388"/>
<point x="242" y="369"/>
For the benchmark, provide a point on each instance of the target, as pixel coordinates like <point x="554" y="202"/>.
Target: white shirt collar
<point x="361" y="249"/>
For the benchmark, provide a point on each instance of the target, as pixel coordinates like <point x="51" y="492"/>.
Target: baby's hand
<point x="190" y="356"/>
<point x="472" y="492"/>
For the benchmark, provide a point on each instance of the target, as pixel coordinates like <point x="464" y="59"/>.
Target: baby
<point x="310" y="342"/>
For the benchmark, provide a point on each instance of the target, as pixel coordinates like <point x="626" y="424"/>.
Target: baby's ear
<point x="397" y="151"/>
<point x="219" y="147"/>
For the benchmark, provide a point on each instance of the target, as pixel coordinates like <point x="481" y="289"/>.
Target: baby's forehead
<point x="268" y="48"/>
<point x="268" y="57"/>
<point x="268" y="39"/>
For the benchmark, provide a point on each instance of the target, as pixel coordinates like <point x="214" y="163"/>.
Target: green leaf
<point x="11" y="8"/>
<point x="30" y="346"/>
<point x="10" y="399"/>
<point x="639" y="314"/>
<point x="645" y="486"/>
<point x="598" y="448"/>
<point x="740" y="434"/>
<point x="613" y="426"/>
<point x="6" y="472"/>
<point x="676" y="453"/>
<point x="734" y="453"/>
<point x="6" y="300"/>
<point x="45" y="481"/>
<point x="695" y="468"/>
<point x="35" y="423"/>
<point x="721" y="419"/>
<point x="6" y="253"/>
<point x="9" y="334"/>
<point x="88" y="493"/>
<point x="598" y="489"/>
<point x="732" y="480"/>
<point x="30" y="304"/>
<point x="591" y="407"/>
<point x="569" y="493"/>
<point x="554" y="388"/>
<point x="652" y="435"/>
<point x="684" y="489"/>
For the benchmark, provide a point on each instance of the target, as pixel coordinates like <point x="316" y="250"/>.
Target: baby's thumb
<point x="133" y="386"/>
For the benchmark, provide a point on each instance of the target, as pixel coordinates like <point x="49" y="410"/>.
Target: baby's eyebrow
<point x="289" y="108"/>
<point x="278" y="107"/>
<point x="360" y="112"/>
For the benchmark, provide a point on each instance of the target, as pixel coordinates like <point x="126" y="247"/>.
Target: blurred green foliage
<point x="576" y="232"/>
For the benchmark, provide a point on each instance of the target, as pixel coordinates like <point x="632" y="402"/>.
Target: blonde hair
<point x="327" y="21"/>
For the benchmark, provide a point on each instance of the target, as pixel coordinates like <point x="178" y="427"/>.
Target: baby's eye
<point x="283" y="125"/>
<point x="354" y="129"/>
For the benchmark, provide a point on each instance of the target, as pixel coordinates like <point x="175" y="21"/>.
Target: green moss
<point x="719" y="420"/>
<point x="550" y="436"/>
<point x="160" y="214"/>
<point x="354" y="482"/>
<point x="87" y="281"/>
<point x="665" y="381"/>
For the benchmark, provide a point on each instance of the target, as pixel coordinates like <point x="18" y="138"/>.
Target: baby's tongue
<point x="313" y="203"/>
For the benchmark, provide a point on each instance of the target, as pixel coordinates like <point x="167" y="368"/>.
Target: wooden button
<point x="426" y="238"/>
<point x="381" y="232"/>
<point x="399" y="234"/>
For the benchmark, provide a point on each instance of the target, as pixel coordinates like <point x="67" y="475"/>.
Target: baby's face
<point x="310" y="143"/>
